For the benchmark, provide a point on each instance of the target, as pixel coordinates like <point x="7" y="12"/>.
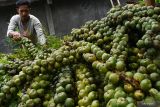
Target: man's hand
<point x="25" y="34"/>
<point x="15" y="35"/>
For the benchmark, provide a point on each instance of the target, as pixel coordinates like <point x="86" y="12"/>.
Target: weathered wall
<point x="74" y="13"/>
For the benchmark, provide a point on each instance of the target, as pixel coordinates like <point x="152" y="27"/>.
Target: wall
<point x="74" y="13"/>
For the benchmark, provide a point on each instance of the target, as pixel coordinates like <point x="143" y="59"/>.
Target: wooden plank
<point x="49" y="17"/>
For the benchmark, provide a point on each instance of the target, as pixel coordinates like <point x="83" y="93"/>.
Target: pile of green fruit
<point x="112" y="62"/>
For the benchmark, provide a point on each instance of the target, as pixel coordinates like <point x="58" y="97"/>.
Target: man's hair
<point x="23" y="2"/>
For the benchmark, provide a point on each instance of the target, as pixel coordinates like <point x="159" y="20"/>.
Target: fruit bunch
<point x="86" y="89"/>
<point x="34" y="93"/>
<point x="64" y="91"/>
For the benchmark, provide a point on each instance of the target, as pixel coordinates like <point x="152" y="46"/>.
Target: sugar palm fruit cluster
<point x="35" y="92"/>
<point x="111" y="62"/>
<point x="29" y="47"/>
<point x="86" y="88"/>
<point x="128" y="38"/>
<point x="64" y="89"/>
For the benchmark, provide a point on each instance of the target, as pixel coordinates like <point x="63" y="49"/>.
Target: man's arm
<point x="11" y="29"/>
<point x="40" y="35"/>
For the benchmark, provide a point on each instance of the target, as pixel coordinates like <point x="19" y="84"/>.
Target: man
<point x="28" y="25"/>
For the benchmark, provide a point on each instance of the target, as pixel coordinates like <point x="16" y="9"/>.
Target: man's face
<point x="23" y="11"/>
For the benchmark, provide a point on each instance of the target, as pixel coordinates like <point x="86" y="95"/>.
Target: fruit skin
<point x="154" y="76"/>
<point x="60" y="97"/>
<point x="60" y="89"/>
<point x="95" y="103"/>
<point x="68" y="88"/>
<point x="112" y="103"/>
<point x="109" y="94"/>
<point x="108" y="87"/>
<point x="157" y="85"/>
<point x="102" y="68"/>
<point x="149" y="100"/>
<point x="120" y="65"/>
<point x="131" y="105"/>
<point x="138" y="76"/>
<point x="92" y="95"/>
<point x="157" y="96"/>
<point x="153" y="92"/>
<point x="121" y="102"/>
<point x="128" y="87"/>
<point x="114" y="78"/>
<point x="145" y="84"/>
<point x="151" y="68"/>
<point x="69" y="102"/>
<point x="130" y="99"/>
<point x="138" y="95"/>
<point x="25" y="98"/>
<point x="120" y="93"/>
<point x="30" y="103"/>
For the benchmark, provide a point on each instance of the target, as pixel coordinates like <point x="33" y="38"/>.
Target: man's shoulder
<point x="15" y="17"/>
<point x="33" y="17"/>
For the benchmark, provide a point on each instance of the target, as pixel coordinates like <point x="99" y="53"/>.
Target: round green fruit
<point x="69" y="88"/>
<point x="149" y="101"/>
<point x="154" y="76"/>
<point x="32" y="93"/>
<point x="157" y="85"/>
<point x="146" y="84"/>
<point x="25" y="97"/>
<point x="120" y="93"/>
<point x="108" y="87"/>
<point x="82" y="93"/>
<point x="138" y="95"/>
<point x="5" y="89"/>
<point x="61" y="97"/>
<point x="102" y="68"/>
<point x="60" y="89"/>
<point x="109" y="94"/>
<point x="37" y="101"/>
<point x="69" y="102"/>
<point x="40" y="92"/>
<point x="29" y="103"/>
<point x="130" y="99"/>
<point x="13" y="90"/>
<point x="120" y="65"/>
<point x="92" y="95"/>
<point x="151" y="68"/>
<point x="122" y="102"/>
<point x="114" y="78"/>
<point x="95" y="103"/>
<point x="138" y="76"/>
<point x="112" y="103"/>
<point x="105" y="57"/>
<point x="131" y="105"/>
<point x="86" y="101"/>
<point x="128" y="88"/>
<point x="2" y="95"/>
